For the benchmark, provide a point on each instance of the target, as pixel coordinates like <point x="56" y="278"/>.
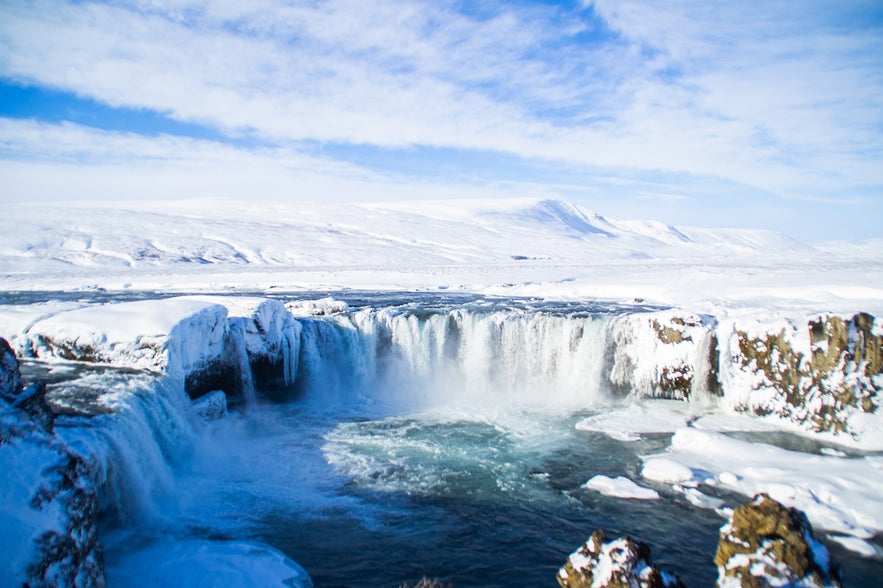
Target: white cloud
<point x="40" y="161"/>
<point x="773" y="96"/>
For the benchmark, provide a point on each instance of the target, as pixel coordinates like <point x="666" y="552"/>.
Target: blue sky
<point x="750" y="114"/>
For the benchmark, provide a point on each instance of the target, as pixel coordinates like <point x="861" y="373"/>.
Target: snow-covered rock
<point x="824" y="376"/>
<point x="619" y="563"/>
<point x="667" y="354"/>
<point x="212" y="406"/>
<point x="10" y="378"/>
<point x="50" y="505"/>
<point x="272" y="339"/>
<point x="208" y="343"/>
<point x="767" y="544"/>
<point x="181" y="337"/>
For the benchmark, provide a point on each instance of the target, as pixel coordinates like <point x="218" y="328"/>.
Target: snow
<point x="506" y="247"/>
<point x="172" y="335"/>
<point x="202" y="563"/>
<point x="212" y="406"/>
<point x="839" y="495"/>
<point x="629" y="422"/>
<point x="620" y="487"/>
<point x="754" y="281"/>
<point x="666" y="471"/>
<point x="23" y="462"/>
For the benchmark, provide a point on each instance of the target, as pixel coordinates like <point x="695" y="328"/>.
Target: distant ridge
<point x="401" y="234"/>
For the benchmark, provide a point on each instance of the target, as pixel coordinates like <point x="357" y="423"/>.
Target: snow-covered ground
<point x="539" y="248"/>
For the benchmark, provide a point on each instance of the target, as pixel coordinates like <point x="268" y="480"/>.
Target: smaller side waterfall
<point x="145" y="427"/>
<point x="238" y="353"/>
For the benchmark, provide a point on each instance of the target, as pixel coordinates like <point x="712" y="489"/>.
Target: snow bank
<point x="620" y="487"/>
<point x="629" y="422"/>
<point x="175" y="336"/>
<point x="839" y="495"/>
<point x="17" y="319"/>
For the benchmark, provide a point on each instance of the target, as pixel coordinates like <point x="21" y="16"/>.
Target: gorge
<point x="381" y="437"/>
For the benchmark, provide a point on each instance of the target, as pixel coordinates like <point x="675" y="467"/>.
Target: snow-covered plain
<point x="536" y="249"/>
<point x="513" y="248"/>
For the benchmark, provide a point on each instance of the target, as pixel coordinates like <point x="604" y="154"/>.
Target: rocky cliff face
<point x="50" y="534"/>
<point x="767" y="544"/>
<point x="825" y="375"/>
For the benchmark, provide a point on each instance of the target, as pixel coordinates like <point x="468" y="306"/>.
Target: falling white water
<point x="492" y="360"/>
<point x="144" y="428"/>
<point x="706" y="349"/>
<point x="236" y="345"/>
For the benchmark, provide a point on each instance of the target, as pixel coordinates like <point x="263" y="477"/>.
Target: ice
<point x="23" y="461"/>
<point x="201" y="563"/>
<point x="629" y="422"/>
<point x="839" y="495"/>
<point x="666" y="471"/>
<point x="860" y="546"/>
<point x="562" y="250"/>
<point x="620" y="487"/>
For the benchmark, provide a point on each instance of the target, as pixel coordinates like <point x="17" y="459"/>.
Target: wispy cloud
<point x="780" y="97"/>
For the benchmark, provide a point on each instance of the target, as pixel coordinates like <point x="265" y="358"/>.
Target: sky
<point x="723" y="114"/>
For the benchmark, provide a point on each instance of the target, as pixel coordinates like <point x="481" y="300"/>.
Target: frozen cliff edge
<point x="820" y="375"/>
<point x="204" y="343"/>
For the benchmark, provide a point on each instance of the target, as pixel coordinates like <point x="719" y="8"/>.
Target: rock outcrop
<point x="50" y="534"/>
<point x="621" y="563"/>
<point x="825" y="376"/>
<point x="212" y="406"/>
<point x="684" y="352"/>
<point x="767" y="544"/>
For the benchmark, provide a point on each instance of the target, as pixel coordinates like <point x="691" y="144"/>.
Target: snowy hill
<point x="518" y="247"/>
<point x="412" y="234"/>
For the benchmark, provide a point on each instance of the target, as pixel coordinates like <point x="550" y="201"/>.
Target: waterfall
<point x="397" y="360"/>
<point x="144" y="426"/>
<point x="706" y="387"/>
<point x="235" y="343"/>
<point x="495" y="359"/>
<point x="335" y="366"/>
